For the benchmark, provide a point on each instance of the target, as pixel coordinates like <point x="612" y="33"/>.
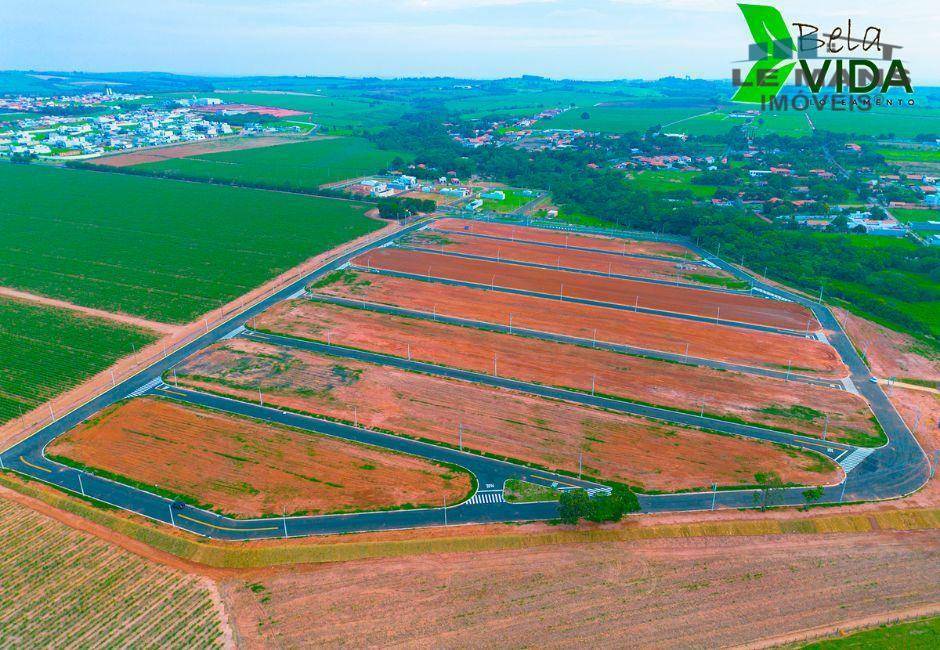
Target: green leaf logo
<point x="767" y="76"/>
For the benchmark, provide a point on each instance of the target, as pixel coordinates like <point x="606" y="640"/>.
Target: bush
<point x="576" y="505"/>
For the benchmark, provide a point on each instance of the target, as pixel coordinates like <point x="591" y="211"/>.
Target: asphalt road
<point x="562" y="338"/>
<point x="580" y="301"/>
<point x="891" y="471"/>
<point x="833" y="450"/>
<point x="570" y="269"/>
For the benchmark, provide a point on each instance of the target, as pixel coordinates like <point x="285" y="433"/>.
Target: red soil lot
<point x="758" y="400"/>
<point x="540" y="235"/>
<point x="248" y="468"/>
<point x="679" y="300"/>
<point x="571" y="258"/>
<point x="706" y="340"/>
<point x="632" y="450"/>
<point x="186" y="150"/>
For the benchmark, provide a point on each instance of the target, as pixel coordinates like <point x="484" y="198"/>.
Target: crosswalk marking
<point x="487" y="496"/>
<point x="235" y="332"/>
<point x="852" y="461"/>
<point x="150" y="385"/>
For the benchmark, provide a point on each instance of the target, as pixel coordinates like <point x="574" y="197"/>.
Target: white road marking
<point x="150" y="385"/>
<point x="852" y="460"/>
<point x="487" y="496"/>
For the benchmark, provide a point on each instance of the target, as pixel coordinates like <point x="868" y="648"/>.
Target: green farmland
<point x="47" y="351"/>
<point x="615" y="119"/>
<point x="300" y="166"/>
<point x="908" y="215"/>
<point x="336" y="113"/>
<point x="672" y="181"/>
<point x="163" y="249"/>
<point x="897" y="154"/>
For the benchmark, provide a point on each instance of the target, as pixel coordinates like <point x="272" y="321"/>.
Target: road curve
<point x="894" y="470"/>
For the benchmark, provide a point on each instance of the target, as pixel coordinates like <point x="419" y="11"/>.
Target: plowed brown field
<point x="652" y="455"/>
<point x="677" y="593"/>
<point x="217" y="145"/>
<point x="568" y="284"/>
<point x="582" y="240"/>
<point x="705" y="340"/>
<point x="246" y="468"/>
<point x="570" y="258"/>
<point x="771" y="402"/>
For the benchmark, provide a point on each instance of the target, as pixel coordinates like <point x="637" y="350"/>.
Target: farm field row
<point x="643" y="453"/>
<point x="788" y="406"/>
<point x="298" y="166"/>
<point x="162" y="249"/>
<point x="572" y="258"/>
<point x="567" y="284"/>
<point x="245" y="468"/>
<point x="581" y="240"/>
<point x="704" y="340"/>
<point x="617" y="119"/>
<point x="46" y="351"/>
<point x="65" y="588"/>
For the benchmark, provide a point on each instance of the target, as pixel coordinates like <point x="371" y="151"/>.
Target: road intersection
<point x="894" y="470"/>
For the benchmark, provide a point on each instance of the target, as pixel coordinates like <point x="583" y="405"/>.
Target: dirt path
<point x="126" y="319"/>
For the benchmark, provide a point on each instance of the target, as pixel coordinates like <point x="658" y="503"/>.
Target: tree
<point x="573" y="506"/>
<point x="812" y="495"/>
<point x="771" y="491"/>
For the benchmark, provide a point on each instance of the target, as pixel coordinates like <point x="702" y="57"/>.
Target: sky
<point x="586" y="39"/>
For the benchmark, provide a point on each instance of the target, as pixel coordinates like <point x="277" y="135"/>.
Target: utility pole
<point x="445" y="509"/>
<point x="686" y="358"/>
<point x="580" y="459"/>
<point x="826" y="427"/>
<point x="284" y="519"/>
<point x="636" y="303"/>
<point x="81" y="486"/>
<point x="113" y="383"/>
<point x="495" y="374"/>
<point x="714" y="494"/>
<point x="718" y="316"/>
<point x="172" y="519"/>
<point x="561" y="292"/>
<point x="356" y="416"/>
<point x="842" y="494"/>
<point x="592" y="384"/>
<point x="409" y="351"/>
<point x="510" y="322"/>
<point x="460" y="434"/>
<point x="789" y="365"/>
<point x="594" y="339"/>
<point x="260" y="396"/>
<point x="52" y="411"/>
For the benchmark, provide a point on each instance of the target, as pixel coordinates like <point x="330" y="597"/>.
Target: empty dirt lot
<point x="552" y="434"/>
<point x="568" y="284"/>
<point x="247" y="468"/>
<point x="676" y="593"/>
<point x="581" y="240"/>
<point x="570" y="258"/>
<point x="217" y="145"/>
<point x="760" y="400"/>
<point x="704" y="340"/>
